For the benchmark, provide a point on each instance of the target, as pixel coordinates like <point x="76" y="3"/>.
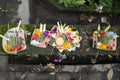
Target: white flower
<point x="72" y="49"/>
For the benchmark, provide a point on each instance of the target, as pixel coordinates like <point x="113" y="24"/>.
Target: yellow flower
<point x="66" y="45"/>
<point x="37" y="32"/>
<point x="8" y="48"/>
<point x="69" y="29"/>
<point x="102" y="46"/>
<point x="95" y="35"/>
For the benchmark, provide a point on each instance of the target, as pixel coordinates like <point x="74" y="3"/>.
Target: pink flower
<point x="20" y="35"/>
<point x="111" y="43"/>
<point x="43" y="45"/>
<point x="47" y="39"/>
<point x="68" y="34"/>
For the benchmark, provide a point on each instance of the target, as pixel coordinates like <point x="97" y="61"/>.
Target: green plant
<point x="71" y="3"/>
<point x="105" y="3"/>
<point x="100" y="4"/>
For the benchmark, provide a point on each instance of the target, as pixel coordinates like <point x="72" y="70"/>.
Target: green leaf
<point x="24" y="27"/>
<point x="71" y="3"/>
<point x="12" y="42"/>
<point x="107" y="28"/>
<point x="41" y="38"/>
<point x="105" y="39"/>
<point x="80" y="2"/>
<point x="60" y="1"/>
<point x="62" y="55"/>
<point x="52" y="40"/>
<point x="105" y="3"/>
<point x="64" y="37"/>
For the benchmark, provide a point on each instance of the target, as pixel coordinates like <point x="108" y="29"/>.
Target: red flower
<point x="110" y="47"/>
<point x="102" y="34"/>
<point x="18" y="48"/>
<point x="12" y="49"/>
<point x="70" y="39"/>
<point x="34" y="37"/>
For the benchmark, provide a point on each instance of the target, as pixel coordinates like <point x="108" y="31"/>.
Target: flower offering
<point x="105" y="40"/>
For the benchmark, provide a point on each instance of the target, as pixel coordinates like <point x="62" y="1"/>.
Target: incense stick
<point x="4" y="37"/>
<point x="18" y="27"/>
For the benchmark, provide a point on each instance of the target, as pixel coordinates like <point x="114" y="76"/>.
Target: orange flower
<point x="101" y="46"/>
<point x="49" y="35"/>
<point x="37" y="32"/>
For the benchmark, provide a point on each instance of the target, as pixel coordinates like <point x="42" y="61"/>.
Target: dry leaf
<point x="87" y="49"/>
<point x="83" y="17"/>
<point x="51" y="66"/>
<point x="24" y="75"/>
<point x="86" y="37"/>
<point x="110" y="56"/>
<point x="80" y="50"/>
<point x="91" y="18"/>
<point x="52" y="73"/>
<point x="11" y="68"/>
<point x="73" y="57"/>
<point x="47" y="57"/>
<point x="103" y="19"/>
<point x="29" y="58"/>
<point x="110" y="74"/>
<point x="93" y="60"/>
<point x="90" y="37"/>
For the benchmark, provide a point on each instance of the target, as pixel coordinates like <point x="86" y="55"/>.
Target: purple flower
<point x="53" y="31"/>
<point x="45" y="33"/>
<point x="57" y="59"/>
<point x="95" y="41"/>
